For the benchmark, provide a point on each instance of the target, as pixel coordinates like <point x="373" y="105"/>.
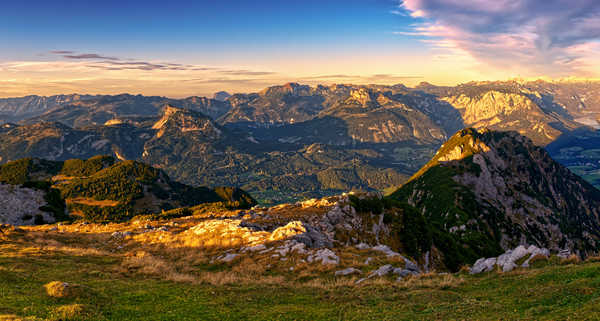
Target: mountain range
<point x="295" y="141"/>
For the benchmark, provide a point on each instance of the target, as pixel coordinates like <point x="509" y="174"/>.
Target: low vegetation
<point x="82" y="274"/>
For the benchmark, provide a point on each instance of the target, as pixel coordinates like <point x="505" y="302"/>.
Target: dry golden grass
<point x="321" y="283"/>
<point x="58" y="289"/>
<point x="92" y="202"/>
<point x="573" y="259"/>
<point x="70" y="312"/>
<point x="229" y="278"/>
<point x="594" y="258"/>
<point x="12" y="317"/>
<point x="537" y="259"/>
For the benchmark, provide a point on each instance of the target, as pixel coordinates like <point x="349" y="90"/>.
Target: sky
<point x="186" y="48"/>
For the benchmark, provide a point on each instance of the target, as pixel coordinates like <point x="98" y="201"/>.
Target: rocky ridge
<point x="502" y="190"/>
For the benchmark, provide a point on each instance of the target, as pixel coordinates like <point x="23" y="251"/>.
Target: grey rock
<point x="229" y="257"/>
<point x="362" y="246"/>
<point x="313" y="238"/>
<point x="325" y="256"/>
<point x="382" y="271"/>
<point x="347" y="271"/>
<point x="483" y="265"/>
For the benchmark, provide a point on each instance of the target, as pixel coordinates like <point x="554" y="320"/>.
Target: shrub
<point x="70" y="312"/>
<point x="594" y="258"/>
<point x="573" y="259"/>
<point x="58" y="289"/>
<point x="539" y="261"/>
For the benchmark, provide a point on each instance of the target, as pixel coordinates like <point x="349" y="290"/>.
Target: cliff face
<point x="495" y="190"/>
<point x="508" y="112"/>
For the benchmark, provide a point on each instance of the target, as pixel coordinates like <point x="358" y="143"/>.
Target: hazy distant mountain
<point x="221" y="95"/>
<point x="81" y="111"/>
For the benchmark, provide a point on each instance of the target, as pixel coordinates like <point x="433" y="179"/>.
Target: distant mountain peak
<point x="361" y="95"/>
<point x="221" y="95"/>
<point x="184" y="120"/>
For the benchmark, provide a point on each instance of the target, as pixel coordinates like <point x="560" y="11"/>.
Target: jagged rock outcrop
<point x="508" y="261"/>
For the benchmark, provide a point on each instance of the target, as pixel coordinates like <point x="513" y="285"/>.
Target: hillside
<point x="102" y="189"/>
<point x="495" y="190"/>
<point x="319" y="259"/>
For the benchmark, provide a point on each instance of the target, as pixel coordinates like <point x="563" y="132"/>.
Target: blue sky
<point x="189" y="30"/>
<point x="183" y="48"/>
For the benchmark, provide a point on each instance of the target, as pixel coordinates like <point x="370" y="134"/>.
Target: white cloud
<point x="551" y="37"/>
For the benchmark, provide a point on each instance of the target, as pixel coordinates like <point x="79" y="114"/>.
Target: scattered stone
<point x="260" y="247"/>
<point x="326" y="256"/>
<point x="404" y="272"/>
<point x="313" y="238"/>
<point x="386" y="250"/>
<point x="564" y="254"/>
<point x="362" y="246"/>
<point x="411" y="266"/>
<point x="368" y="260"/>
<point x="229" y="257"/>
<point x="507" y="261"/>
<point x="382" y="271"/>
<point x="347" y="271"/>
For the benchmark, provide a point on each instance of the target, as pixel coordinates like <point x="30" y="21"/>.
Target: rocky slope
<point x="496" y="190"/>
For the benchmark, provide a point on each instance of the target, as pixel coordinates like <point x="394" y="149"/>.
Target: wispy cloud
<point x="89" y="56"/>
<point x="247" y="73"/>
<point x="62" y="52"/>
<point x="553" y="37"/>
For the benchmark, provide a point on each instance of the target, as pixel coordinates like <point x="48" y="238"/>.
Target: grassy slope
<point x="553" y="292"/>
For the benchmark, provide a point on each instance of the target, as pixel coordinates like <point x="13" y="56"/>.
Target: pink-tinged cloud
<point x="553" y="37"/>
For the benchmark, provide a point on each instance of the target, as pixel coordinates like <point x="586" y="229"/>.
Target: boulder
<point x="325" y="256"/>
<point x="386" y="250"/>
<point x="362" y="246"/>
<point x="229" y="257"/>
<point x="382" y="271"/>
<point x="483" y="265"/>
<point x="404" y="272"/>
<point x="313" y="238"/>
<point x="347" y="271"/>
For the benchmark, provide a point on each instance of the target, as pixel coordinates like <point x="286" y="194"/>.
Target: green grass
<point x="549" y="293"/>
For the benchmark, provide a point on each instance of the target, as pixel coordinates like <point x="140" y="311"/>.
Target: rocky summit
<point x="493" y="191"/>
